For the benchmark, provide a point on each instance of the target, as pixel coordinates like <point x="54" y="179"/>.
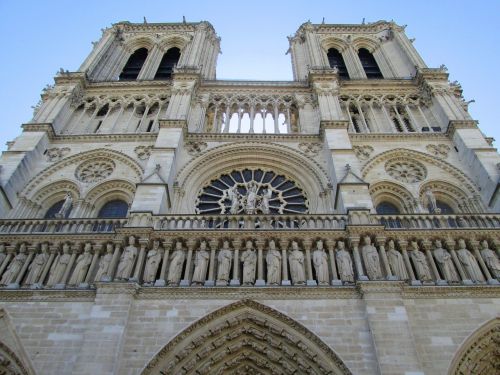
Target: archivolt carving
<point x="329" y="41"/>
<point x="109" y="190"/>
<point x="450" y="194"/>
<point x="365" y="42"/>
<point x="174" y="40"/>
<point x="10" y="364"/>
<point x="55" y="191"/>
<point x="132" y="43"/>
<point x="393" y="193"/>
<point x="246" y="336"/>
<point x="479" y="353"/>
<point x="135" y="171"/>
<point x="281" y="159"/>
<point x="405" y="154"/>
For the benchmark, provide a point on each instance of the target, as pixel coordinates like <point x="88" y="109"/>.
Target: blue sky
<point x="39" y="37"/>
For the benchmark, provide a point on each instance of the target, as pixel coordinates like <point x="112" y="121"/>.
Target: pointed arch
<point x="478" y="354"/>
<point x="246" y="333"/>
<point x="174" y="40"/>
<point x="396" y="194"/>
<point x="333" y="42"/>
<point x="445" y="192"/>
<point x="108" y="191"/>
<point x="134" y="170"/>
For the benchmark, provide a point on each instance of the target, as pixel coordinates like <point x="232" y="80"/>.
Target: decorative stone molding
<point x="406" y="171"/>
<point x="195" y="148"/>
<point x="143" y="152"/>
<point x="56" y="154"/>
<point x="441" y="150"/>
<point x="10" y="363"/>
<point x="271" y="342"/>
<point x="363" y="152"/>
<point x="94" y="170"/>
<point x="310" y="149"/>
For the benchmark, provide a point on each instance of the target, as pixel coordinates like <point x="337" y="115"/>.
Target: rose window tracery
<point x="406" y="171"/>
<point x="94" y="170"/>
<point x="251" y="192"/>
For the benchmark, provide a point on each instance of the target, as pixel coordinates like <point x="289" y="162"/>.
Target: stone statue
<point x="234" y="198"/>
<point x="249" y="259"/>
<point x="153" y="259"/>
<point x="372" y="262"/>
<point x="176" y="262"/>
<point x="273" y="260"/>
<point x="344" y="263"/>
<point x="296" y="259"/>
<point x="224" y="258"/>
<point x="103" y="269"/>
<point x="57" y="269"/>
<point x="490" y="259"/>
<point x="127" y="260"/>
<point x="469" y="262"/>
<point x="36" y="267"/>
<point x="430" y="201"/>
<point x="445" y="263"/>
<point x="201" y="264"/>
<point x="66" y="207"/>
<point x="2" y="253"/>
<point x="264" y="205"/>
<point x="251" y="198"/>
<point x="82" y="265"/>
<point x="320" y="261"/>
<point x="420" y="263"/>
<point x="396" y="262"/>
<point x="15" y="266"/>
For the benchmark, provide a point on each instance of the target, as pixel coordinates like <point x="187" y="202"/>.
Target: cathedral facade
<point x="156" y="220"/>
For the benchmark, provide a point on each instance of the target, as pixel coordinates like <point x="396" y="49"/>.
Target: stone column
<point x="284" y="266"/>
<point x="95" y="258"/>
<point x="330" y="245"/>
<point x="235" y="281"/>
<point x="403" y="244"/>
<point x="385" y="261"/>
<point x="114" y="261"/>
<point x="186" y="281"/>
<point x="260" y="263"/>
<point x="62" y="283"/>
<point x="211" y="267"/>
<point x="451" y="247"/>
<point x="143" y="242"/>
<point x="475" y="246"/>
<point x="309" y="274"/>
<point x="167" y="245"/>
<point x="357" y="258"/>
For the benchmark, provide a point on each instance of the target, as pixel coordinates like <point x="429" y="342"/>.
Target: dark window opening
<point x="150" y="125"/>
<point x="335" y="59"/>
<point x="425" y="129"/>
<point x="103" y="110"/>
<point x="397" y="124"/>
<point x="386" y="208"/>
<point x="55" y="208"/>
<point x="114" y="208"/>
<point x="169" y="60"/>
<point x="445" y="209"/>
<point x="369" y="64"/>
<point x="436" y="128"/>
<point x="134" y="64"/>
<point x="98" y="126"/>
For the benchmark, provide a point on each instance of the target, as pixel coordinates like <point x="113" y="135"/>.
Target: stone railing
<point x="34" y="226"/>
<point x="240" y="258"/>
<point x="246" y="222"/>
<point x="428" y="221"/>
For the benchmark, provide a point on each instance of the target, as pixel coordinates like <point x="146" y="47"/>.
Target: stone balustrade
<point x="328" y="258"/>
<point x="430" y="221"/>
<point x="33" y="226"/>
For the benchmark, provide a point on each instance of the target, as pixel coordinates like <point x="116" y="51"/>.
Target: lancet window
<point x="369" y="64"/>
<point x="134" y="65"/>
<point x="167" y="64"/>
<point x="55" y="209"/>
<point x="335" y="59"/>
<point x="114" y="208"/>
<point x="254" y="114"/>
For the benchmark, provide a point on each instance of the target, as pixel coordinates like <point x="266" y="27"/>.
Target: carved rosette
<point x="406" y="171"/>
<point x="195" y="148"/>
<point x="56" y="154"/>
<point x="310" y="149"/>
<point x="363" y="152"/>
<point x="94" y="170"/>
<point x="440" y="151"/>
<point x="143" y="152"/>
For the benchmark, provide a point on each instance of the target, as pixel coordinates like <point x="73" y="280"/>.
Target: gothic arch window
<point x="369" y="64"/>
<point x="169" y="60"/>
<point x="387" y="208"/>
<point x="113" y="209"/>
<point x="55" y="208"/>
<point x="335" y="59"/>
<point x="445" y="208"/>
<point x="134" y="65"/>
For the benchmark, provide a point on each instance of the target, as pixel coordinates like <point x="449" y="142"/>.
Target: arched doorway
<point x="246" y="337"/>
<point x="479" y="353"/>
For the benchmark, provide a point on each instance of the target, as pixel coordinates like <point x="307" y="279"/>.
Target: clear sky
<point x="39" y="37"/>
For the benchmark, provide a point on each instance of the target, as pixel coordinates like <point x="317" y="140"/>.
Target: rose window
<point x="406" y="171"/>
<point x="251" y="192"/>
<point x="94" y="170"/>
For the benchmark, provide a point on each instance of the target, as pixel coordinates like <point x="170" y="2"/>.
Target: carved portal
<point x="246" y="337"/>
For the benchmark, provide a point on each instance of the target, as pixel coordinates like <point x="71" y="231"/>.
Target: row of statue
<point x="266" y="265"/>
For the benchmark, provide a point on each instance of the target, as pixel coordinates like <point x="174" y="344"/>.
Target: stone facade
<point x="157" y="220"/>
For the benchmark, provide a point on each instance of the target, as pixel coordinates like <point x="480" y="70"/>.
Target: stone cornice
<point x="402" y="137"/>
<point x="231" y="84"/>
<point x="454" y="125"/>
<point x="39" y="127"/>
<point x="373" y="27"/>
<point x="333" y="124"/>
<point x="142" y="85"/>
<point x="476" y="291"/>
<point x="104" y="138"/>
<point x="431" y="74"/>
<point x="71" y="77"/>
<point x="233" y="137"/>
<point x="53" y="295"/>
<point x="172" y="124"/>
